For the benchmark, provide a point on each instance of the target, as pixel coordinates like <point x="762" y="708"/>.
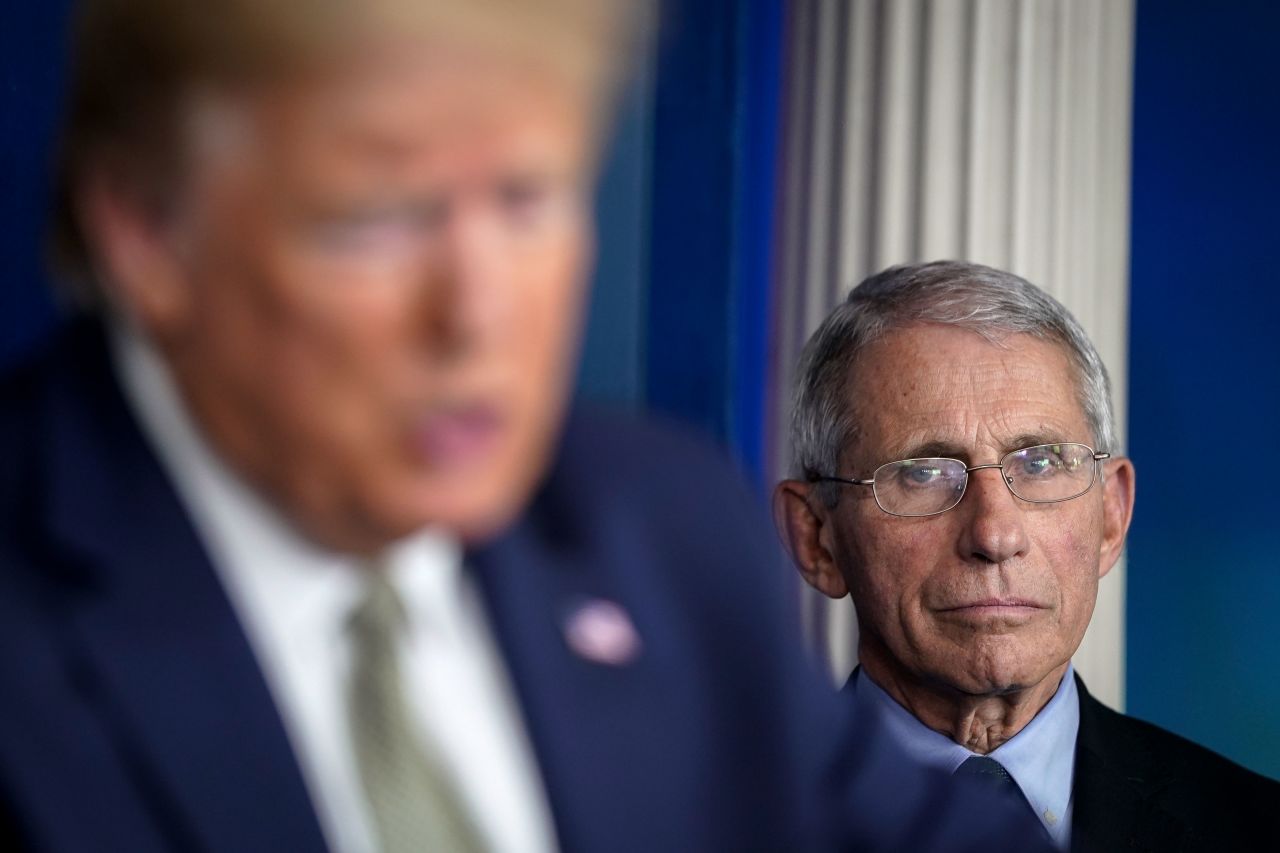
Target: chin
<point x="1000" y="680"/>
<point x="978" y="683"/>
<point x="998" y="669"/>
<point x="471" y="512"/>
<point x="999" y="686"/>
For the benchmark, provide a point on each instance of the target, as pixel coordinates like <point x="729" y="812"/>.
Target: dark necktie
<point x="989" y="772"/>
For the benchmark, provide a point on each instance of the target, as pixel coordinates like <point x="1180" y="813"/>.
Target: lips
<point x="996" y="602"/>
<point x="993" y="612"/>
<point x="458" y="435"/>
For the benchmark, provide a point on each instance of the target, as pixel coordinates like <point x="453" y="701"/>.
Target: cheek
<point x="312" y="343"/>
<point x="1077" y="574"/>
<point x="340" y="305"/>
<point x="547" y="294"/>
<point x="284" y="338"/>
<point x="554" y="274"/>
<point x="894" y="562"/>
<point x="1074" y="539"/>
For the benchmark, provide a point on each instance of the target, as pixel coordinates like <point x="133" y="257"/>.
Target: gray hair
<point x="988" y="301"/>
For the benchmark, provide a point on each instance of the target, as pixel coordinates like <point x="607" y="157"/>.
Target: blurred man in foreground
<point x="959" y="477"/>
<point x="289" y="558"/>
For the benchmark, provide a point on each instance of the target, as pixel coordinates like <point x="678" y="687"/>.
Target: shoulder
<point x="75" y="353"/>
<point x="617" y="470"/>
<point x="23" y="391"/>
<point x="1186" y="778"/>
<point x="1136" y="745"/>
<point x="657" y="519"/>
<point x="657" y="511"/>
<point x="20" y="392"/>
<point x="644" y="448"/>
<point x="28" y="390"/>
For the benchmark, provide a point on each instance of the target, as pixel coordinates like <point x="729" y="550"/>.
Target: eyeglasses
<point x="1043" y="474"/>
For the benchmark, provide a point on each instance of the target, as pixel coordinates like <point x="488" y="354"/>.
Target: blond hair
<point x="137" y="62"/>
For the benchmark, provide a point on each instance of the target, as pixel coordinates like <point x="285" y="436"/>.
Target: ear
<point x="135" y="254"/>
<point x="800" y="518"/>
<point x="1117" y="511"/>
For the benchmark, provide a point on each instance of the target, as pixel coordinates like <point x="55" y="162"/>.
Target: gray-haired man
<point x="958" y="474"/>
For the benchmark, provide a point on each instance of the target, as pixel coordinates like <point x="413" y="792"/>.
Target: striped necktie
<point x="414" y="803"/>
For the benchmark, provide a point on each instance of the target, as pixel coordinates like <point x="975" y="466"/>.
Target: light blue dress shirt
<point x="1041" y="758"/>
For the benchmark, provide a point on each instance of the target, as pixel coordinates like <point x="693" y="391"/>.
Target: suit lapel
<point x="1116" y="791"/>
<point x="163" y="657"/>
<point x="591" y="721"/>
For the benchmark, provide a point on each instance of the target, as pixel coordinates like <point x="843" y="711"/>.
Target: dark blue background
<point x="1203" y="600"/>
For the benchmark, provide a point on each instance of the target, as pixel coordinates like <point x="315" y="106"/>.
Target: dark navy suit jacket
<point x="1139" y="787"/>
<point x="134" y="716"/>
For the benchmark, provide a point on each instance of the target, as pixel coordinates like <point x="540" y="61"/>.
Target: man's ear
<point x="799" y="517"/>
<point x="1117" y="511"/>
<point x="135" y="255"/>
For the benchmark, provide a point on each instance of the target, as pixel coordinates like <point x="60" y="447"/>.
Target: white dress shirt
<point x="294" y="599"/>
<point x="1041" y="758"/>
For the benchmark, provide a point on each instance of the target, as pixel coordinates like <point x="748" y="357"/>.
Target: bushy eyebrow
<point x="1031" y="439"/>
<point x="951" y="450"/>
<point x="933" y="448"/>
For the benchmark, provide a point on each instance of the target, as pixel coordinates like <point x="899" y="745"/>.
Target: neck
<point x="978" y="722"/>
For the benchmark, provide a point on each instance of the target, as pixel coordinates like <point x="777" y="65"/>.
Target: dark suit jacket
<point x="1139" y="787"/>
<point x="134" y="716"/>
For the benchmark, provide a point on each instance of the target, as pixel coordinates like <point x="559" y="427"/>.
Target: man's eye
<point x="369" y="232"/>
<point x="922" y="475"/>
<point x="1042" y="464"/>
<point x="525" y="202"/>
<point x="380" y="227"/>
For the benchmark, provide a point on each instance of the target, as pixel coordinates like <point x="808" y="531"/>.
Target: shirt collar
<point x="1040" y="758"/>
<point x="426" y="569"/>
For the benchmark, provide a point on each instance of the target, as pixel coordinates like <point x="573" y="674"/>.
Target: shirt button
<point x="1049" y="817"/>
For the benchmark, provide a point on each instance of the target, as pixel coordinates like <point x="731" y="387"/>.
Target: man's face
<point x="995" y="594"/>
<point x="370" y="290"/>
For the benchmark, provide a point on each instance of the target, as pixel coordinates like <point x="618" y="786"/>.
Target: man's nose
<point x="464" y="296"/>
<point x="994" y="529"/>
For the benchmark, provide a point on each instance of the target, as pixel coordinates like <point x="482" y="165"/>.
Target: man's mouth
<point x="1004" y="608"/>
<point x="1006" y="601"/>
<point x="457" y="436"/>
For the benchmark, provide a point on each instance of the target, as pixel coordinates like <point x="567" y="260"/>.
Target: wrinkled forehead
<point x="935" y="390"/>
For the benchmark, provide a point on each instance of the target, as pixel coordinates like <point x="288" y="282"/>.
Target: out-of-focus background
<point x="770" y="153"/>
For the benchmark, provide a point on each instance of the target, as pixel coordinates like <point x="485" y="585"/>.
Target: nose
<point x="993" y="520"/>
<point x="465" y="305"/>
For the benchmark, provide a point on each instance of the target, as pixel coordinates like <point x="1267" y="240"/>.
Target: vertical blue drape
<point x="612" y="353"/>
<point x="758" y="132"/>
<point x="714" y="172"/>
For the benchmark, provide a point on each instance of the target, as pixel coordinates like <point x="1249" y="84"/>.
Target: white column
<point x="996" y="131"/>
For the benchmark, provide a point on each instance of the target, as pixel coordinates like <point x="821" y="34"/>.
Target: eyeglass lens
<point x="1045" y="473"/>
